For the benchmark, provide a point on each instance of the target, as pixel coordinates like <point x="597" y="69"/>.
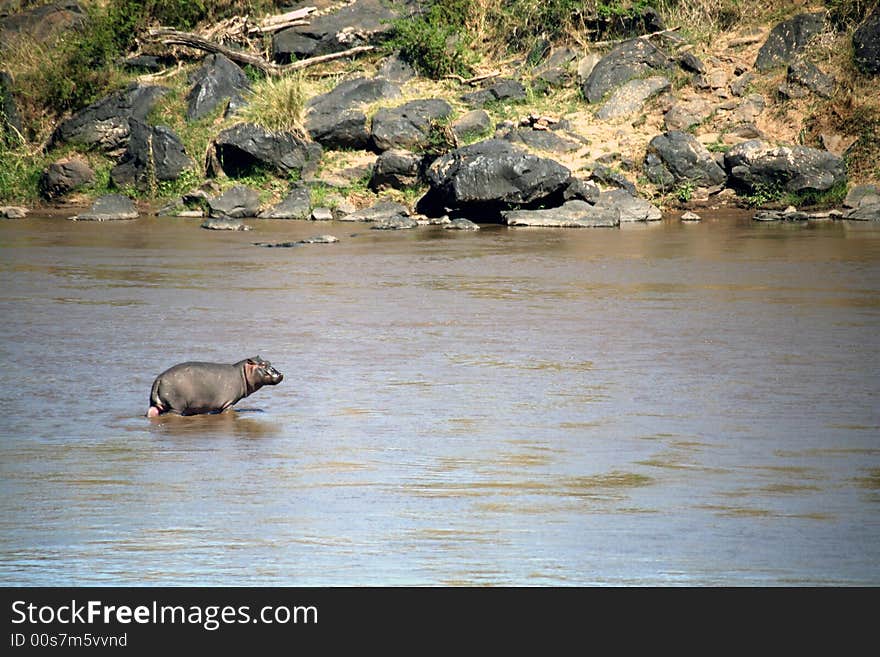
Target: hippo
<point x="192" y="388"/>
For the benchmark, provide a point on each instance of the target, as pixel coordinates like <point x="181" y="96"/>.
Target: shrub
<point x="277" y="104"/>
<point x="435" y="43"/>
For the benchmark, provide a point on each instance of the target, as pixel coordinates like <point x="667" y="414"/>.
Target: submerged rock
<point x="224" y="223"/>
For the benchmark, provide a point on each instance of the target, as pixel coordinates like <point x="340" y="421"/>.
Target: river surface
<point x="668" y="404"/>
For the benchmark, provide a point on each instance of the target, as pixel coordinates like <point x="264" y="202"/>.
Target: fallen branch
<point x="174" y="37"/>
<point x="281" y="21"/>
<point x="474" y="80"/>
<point x="614" y="42"/>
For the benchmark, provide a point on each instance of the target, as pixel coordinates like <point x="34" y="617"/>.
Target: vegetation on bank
<point x="451" y="37"/>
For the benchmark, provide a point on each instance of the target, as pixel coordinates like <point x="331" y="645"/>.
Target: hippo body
<point x="194" y="387"/>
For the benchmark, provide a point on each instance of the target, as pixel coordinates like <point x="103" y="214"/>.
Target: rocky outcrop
<point x="475" y="123"/>
<point x="491" y="175"/>
<point x="866" y="44"/>
<point x="44" y="23"/>
<point x="104" y="125"/>
<point x="631" y="59"/>
<point x="356" y="23"/>
<point x="572" y="214"/>
<point x="245" y="148"/>
<point x="110" y="207"/>
<point x="503" y="90"/>
<point x="396" y="169"/>
<point x="236" y="202"/>
<point x="153" y="154"/>
<point x="64" y="176"/>
<point x="335" y="119"/>
<point x="680" y="158"/>
<point x="788" y="39"/>
<point x="296" y="204"/>
<point x="755" y="165"/>
<point x="629" y="98"/>
<point x="408" y="126"/>
<point x="217" y="81"/>
<point x="629" y="207"/>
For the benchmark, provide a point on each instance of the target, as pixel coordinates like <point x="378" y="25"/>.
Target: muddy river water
<point x="651" y="405"/>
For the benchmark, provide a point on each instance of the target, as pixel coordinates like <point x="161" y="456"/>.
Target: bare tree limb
<point x="613" y="42"/>
<point x="474" y="80"/>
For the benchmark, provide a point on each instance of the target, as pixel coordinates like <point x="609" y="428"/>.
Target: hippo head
<point x="259" y="373"/>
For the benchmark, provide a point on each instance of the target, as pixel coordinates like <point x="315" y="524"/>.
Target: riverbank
<point x="773" y="111"/>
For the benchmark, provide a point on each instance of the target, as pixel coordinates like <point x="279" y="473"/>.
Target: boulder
<point x="502" y="90"/>
<point x="809" y="76"/>
<point x="491" y="174"/>
<point x="236" y="202"/>
<point x="217" y="81"/>
<point x="542" y="140"/>
<point x="581" y="190"/>
<point x="866" y="44"/>
<point x="687" y="113"/>
<point x="572" y="214"/>
<point x="396" y="69"/>
<point x="460" y="223"/>
<point x="629" y="207"/>
<point x="64" y="176"/>
<point x="322" y="214"/>
<point x="245" y="148"/>
<point x="408" y="126"/>
<point x="475" y="123"/>
<point x="153" y="154"/>
<point x="296" y="205"/>
<point x="395" y="222"/>
<point x="110" y="207"/>
<point x="863" y="203"/>
<point x="554" y="71"/>
<point x="755" y="165"/>
<point x="788" y="39"/>
<point x="631" y="59"/>
<point x="631" y="96"/>
<point x="335" y="119"/>
<point x="396" y="169"/>
<point x="224" y="223"/>
<point x="361" y="22"/>
<point x="688" y="61"/>
<point x="44" y="23"/>
<point x="105" y="124"/>
<point x="381" y="211"/>
<point x="611" y="178"/>
<point x="12" y="212"/>
<point x="683" y="159"/>
<point x="740" y="84"/>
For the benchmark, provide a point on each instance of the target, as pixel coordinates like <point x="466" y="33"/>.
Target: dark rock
<point x="788" y="39"/>
<point x="630" y="208"/>
<point x="606" y="176"/>
<point x="395" y="69"/>
<point x="542" y="140"/>
<point x="320" y="239"/>
<point x="354" y="92"/>
<point x="10" y="123"/>
<point x="491" y="175"/>
<point x="756" y="164"/>
<point x="105" y="123"/>
<point x="461" y="224"/>
<point x="64" y="176"/>
<point x="153" y="154"/>
<point x="865" y="212"/>
<point x="143" y="64"/>
<point x="866" y="44"/>
<point x="296" y="205"/>
<point x="572" y="214"/>
<point x="409" y="125"/>
<point x="335" y="119"/>
<point x="690" y="62"/>
<point x="686" y="159"/>
<point x="630" y="59"/>
<point x="224" y="223"/>
<point x="44" y="23"/>
<point x="503" y="90"/>
<point x="554" y="71"/>
<point x="631" y="96"/>
<point x="217" y="81"/>
<point x="246" y="148"/>
<point x="110" y="207"/>
<point x="381" y="211"/>
<point x="808" y="75"/>
<point x="396" y="169"/>
<point x="471" y="124"/>
<point x="363" y="22"/>
<point x="581" y="190"/>
<point x="236" y="202"/>
<point x="396" y="222"/>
